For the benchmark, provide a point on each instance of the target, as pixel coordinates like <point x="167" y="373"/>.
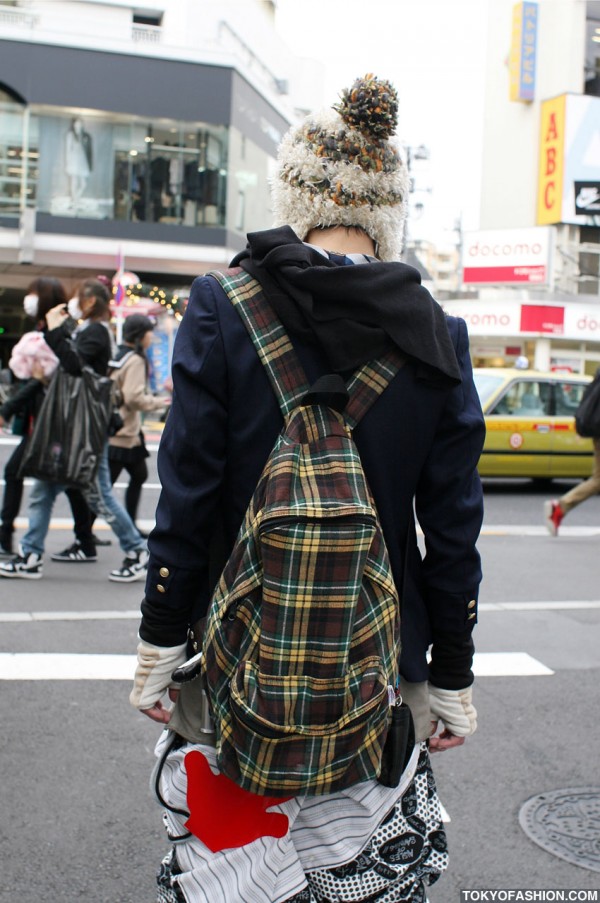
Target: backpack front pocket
<point x="304" y="735"/>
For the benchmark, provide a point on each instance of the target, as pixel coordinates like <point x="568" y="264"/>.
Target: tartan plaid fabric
<point x="302" y="634"/>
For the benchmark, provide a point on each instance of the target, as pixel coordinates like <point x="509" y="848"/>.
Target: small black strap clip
<point x="330" y="391"/>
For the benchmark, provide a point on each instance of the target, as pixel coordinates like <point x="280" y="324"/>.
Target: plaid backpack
<point x="302" y="642"/>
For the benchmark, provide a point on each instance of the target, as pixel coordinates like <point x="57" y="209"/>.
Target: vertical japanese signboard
<point x="551" y="168"/>
<point x="569" y="160"/>
<point x="523" y="51"/>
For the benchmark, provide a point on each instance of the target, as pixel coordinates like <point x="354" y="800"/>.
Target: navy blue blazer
<point x="419" y="443"/>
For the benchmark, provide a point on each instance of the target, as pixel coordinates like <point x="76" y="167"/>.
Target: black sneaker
<point x="74" y="553"/>
<point x="133" y="568"/>
<point x="28" y="566"/>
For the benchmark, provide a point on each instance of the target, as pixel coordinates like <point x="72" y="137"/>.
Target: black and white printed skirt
<point x="368" y="844"/>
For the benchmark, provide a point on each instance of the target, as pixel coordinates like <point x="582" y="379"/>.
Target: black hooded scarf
<point x="354" y="313"/>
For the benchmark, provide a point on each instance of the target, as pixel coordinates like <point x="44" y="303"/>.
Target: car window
<point x="486" y="384"/>
<point x="568" y="397"/>
<point x="524" y="398"/>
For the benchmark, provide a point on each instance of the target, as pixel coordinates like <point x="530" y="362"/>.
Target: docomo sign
<point x="582" y="321"/>
<point x="487" y="318"/>
<point x="506" y="256"/>
<point x="512" y="318"/>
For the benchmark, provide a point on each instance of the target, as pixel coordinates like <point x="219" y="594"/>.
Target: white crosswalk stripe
<point x="86" y="666"/>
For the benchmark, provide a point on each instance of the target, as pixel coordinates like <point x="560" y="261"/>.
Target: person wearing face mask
<point x="32" y="363"/>
<point x="89" y="345"/>
<point x="73" y="308"/>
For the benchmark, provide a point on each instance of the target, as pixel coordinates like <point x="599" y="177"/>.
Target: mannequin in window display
<point x="78" y="150"/>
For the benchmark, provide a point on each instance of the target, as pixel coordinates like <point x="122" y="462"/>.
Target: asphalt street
<point x="79" y="821"/>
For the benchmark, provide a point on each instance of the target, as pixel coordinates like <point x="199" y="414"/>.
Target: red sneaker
<point x="553" y="515"/>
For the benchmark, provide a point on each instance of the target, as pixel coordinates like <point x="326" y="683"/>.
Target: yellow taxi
<point x="530" y="420"/>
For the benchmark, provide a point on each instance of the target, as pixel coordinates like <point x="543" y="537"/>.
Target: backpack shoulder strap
<point x="277" y="354"/>
<point x="368" y="383"/>
<point x="268" y="335"/>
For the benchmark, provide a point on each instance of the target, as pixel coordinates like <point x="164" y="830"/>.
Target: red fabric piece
<point x="224" y="816"/>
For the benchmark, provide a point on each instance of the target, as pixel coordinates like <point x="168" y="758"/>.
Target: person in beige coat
<point x="127" y="449"/>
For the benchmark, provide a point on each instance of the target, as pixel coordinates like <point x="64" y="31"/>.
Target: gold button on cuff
<point x="471" y="604"/>
<point x="164" y="572"/>
<point x="160" y="588"/>
<point x="472" y="615"/>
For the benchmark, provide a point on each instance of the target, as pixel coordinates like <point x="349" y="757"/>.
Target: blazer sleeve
<point x="191" y="466"/>
<point x="449" y="508"/>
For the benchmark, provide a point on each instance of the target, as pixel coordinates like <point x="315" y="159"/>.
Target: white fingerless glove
<point x="153" y="673"/>
<point x="455" y="709"/>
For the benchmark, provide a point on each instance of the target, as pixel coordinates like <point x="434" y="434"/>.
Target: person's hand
<point x="444" y="740"/>
<point x="37" y="371"/>
<point x="57" y="316"/>
<point x="2" y="421"/>
<point x="160" y="712"/>
<point x="455" y="709"/>
<point x="153" y="678"/>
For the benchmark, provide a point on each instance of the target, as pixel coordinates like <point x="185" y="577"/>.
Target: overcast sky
<point x="434" y="52"/>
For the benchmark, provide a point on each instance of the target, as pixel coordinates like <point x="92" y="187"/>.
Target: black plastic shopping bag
<point x="70" y="430"/>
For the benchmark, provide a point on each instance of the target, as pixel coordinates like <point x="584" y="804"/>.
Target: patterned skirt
<point x="369" y="844"/>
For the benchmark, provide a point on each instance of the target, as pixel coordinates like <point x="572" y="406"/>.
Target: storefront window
<point x="170" y="174"/>
<point x="18" y="160"/>
<point x="99" y="166"/>
<point x="75" y="166"/>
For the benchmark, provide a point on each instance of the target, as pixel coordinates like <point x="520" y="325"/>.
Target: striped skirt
<point x="369" y="843"/>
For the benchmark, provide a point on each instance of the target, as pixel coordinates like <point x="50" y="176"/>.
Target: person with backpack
<point x="320" y="398"/>
<point x="587" y="424"/>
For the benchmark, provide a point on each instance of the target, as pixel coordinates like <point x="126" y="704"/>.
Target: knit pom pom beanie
<point x="340" y="168"/>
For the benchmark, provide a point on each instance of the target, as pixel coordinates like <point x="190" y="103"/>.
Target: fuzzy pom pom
<point x="370" y="106"/>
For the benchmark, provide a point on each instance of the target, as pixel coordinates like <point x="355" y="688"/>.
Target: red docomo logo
<point x="486" y="319"/>
<point x="522" y="249"/>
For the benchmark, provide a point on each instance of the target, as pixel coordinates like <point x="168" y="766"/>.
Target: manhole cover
<point x="567" y="823"/>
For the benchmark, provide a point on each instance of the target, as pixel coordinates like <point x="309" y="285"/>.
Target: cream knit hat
<point x="339" y="168"/>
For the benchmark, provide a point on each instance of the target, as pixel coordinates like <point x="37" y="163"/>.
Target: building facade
<point x="536" y="260"/>
<point x="138" y="134"/>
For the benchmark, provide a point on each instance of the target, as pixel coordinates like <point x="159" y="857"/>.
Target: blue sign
<point x="523" y="51"/>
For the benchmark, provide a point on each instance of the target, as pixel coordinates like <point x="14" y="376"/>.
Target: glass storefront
<point x="18" y="159"/>
<point x="87" y="163"/>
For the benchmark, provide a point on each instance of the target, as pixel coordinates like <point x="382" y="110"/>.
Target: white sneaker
<point x="27" y="566"/>
<point x="133" y="568"/>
